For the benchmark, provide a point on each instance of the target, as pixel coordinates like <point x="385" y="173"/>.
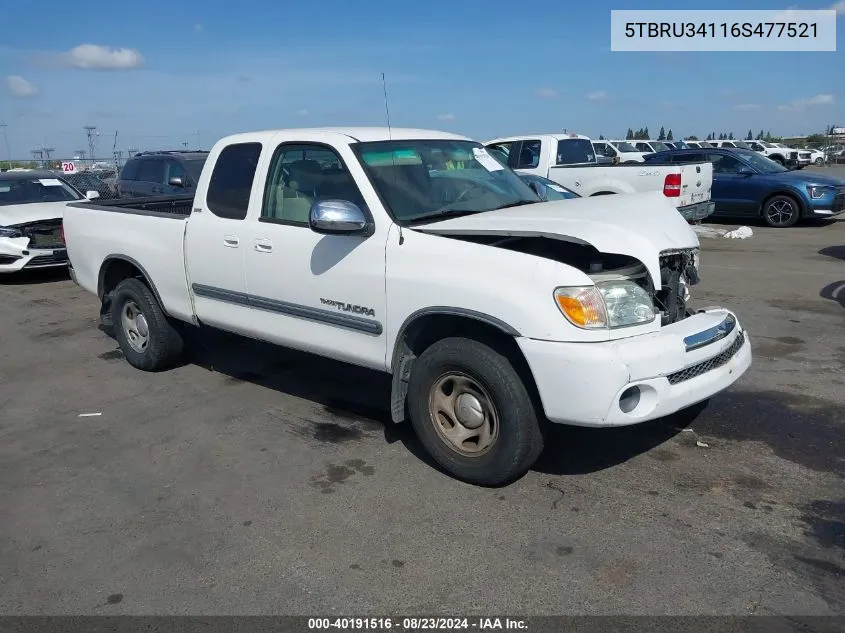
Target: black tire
<point x="819" y="161"/>
<point x="779" y="159"/>
<point x="774" y="214"/>
<point x="518" y="433"/>
<point x="164" y="343"/>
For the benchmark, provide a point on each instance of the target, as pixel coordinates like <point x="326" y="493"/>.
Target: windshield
<point x="659" y="146"/>
<point x="421" y="180"/>
<point x="705" y="144"/>
<point x="761" y="163"/>
<point x="33" y="190"/>
<point x="194" y="168"/>
<point x="741" y="144"/>
<point x="768" y="145"/>
<point x="622" y="146"/>
<point x="575" y="151"/>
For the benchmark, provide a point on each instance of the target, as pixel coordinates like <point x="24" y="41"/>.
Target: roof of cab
<point x="362" y="134"/>
<point x="558" y="136"/>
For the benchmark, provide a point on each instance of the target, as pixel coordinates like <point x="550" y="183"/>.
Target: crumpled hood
<point x="640" y="225"/>
<point x="33" y="212"/>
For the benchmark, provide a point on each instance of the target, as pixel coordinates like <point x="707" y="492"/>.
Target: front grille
<point x="45" y="234"/>
<point x="709" y="364"/>
<point x="58" y="257"/>
<point x="805" y="155"/>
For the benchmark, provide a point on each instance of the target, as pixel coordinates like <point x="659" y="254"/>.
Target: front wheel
<point x="472" y="412"/>
<point x="781" y="212"/>
<point x="819" y="161"/>
<point x="147" y="338"/>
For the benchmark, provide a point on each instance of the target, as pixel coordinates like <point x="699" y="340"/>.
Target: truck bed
<point x="180" y="206"/>
<point x="147" y="233"/>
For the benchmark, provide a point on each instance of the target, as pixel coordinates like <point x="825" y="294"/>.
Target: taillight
<point x="62" y="235"/>
<point x="672" y="186"/>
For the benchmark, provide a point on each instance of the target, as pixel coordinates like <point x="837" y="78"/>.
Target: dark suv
<point x="161" y="173"/>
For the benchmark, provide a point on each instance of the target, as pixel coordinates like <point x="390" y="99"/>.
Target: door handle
<point x="231" y="241"/>
<point x="263" y="245"/>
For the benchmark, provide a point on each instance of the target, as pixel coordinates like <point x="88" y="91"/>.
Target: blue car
<point x="748" y="185"/>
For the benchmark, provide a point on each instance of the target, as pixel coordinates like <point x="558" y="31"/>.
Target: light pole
<point x="6" y="140"/>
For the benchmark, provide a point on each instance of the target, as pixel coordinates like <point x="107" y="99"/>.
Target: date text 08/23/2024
<point x="416" y="623"/>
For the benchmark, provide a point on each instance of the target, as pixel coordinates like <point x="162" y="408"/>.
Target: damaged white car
<point x="32" y="204"/>
<point x="417" y="253"/>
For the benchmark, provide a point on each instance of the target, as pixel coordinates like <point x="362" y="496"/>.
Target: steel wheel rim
<point x="463" y="414"/>
<point x="780" y="212"/>
<point x="135" y="327"/>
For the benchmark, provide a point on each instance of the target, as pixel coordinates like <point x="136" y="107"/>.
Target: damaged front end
<point x="678" y="271"/>
<point x="678" y="268"/>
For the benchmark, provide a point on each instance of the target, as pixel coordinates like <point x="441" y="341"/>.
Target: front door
<point x="216" y="237"/>
<point x="320" y="293"/>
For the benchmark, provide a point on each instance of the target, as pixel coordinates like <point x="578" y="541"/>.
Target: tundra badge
<point x="348" y="307"/>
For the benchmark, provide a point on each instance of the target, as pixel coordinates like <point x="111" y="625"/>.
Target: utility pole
<point x="89" y="130"/>
<point x="48" y="151"/>
<point x="6" y="139"/>
<point x="37" y="155"/>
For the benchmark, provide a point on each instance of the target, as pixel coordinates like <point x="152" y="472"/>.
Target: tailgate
<point x="696" y="183"/>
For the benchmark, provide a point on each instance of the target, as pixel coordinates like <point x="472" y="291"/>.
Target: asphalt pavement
<point x="255" y="480"/>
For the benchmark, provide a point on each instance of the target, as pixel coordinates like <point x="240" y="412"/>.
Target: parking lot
<point x="257" y="480"/>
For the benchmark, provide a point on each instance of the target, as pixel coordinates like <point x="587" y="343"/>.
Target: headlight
<point x="609" y="304"/>
<point x="626" y="303"/>
<point x="6" y="231"/>
<point x="815" y="192"/>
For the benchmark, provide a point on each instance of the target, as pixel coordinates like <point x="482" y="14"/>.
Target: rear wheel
<point x="781" y="212"/>
<point x="147" y="338"/>
<point x="819" y="160"/>
<point x="472" y="412"/>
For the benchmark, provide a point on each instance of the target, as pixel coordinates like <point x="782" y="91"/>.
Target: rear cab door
<point x="216" y="235"/>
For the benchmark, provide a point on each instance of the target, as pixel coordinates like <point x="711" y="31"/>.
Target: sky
<point x="154" y="75"/>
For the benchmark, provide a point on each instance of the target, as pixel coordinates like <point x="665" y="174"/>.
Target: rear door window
<point x="573" y="151"/>
<point x="231" y="180"/>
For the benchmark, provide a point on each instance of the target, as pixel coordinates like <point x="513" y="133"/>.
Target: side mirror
<point x="339" y="217"/>
<point x="176" y="181"/>
<point x="540" y="189"/>
<point x="744" y="170"/>
<point x="92" y="195"/>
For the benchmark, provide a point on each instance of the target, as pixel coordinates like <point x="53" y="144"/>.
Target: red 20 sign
<point x="69" y="167"/>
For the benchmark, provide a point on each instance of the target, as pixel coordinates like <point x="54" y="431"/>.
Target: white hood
<point x="640" y="225"/>
<point x="32" y="212"/>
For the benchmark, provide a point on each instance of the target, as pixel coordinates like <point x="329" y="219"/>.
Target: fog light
<point x="629" y="399"/>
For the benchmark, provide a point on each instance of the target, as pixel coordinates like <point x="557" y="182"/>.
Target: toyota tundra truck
<point x="418" y="254"/>
<point x="565" y="159"/>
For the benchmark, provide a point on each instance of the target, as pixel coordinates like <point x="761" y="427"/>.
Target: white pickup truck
<point x="418" y="254"/>
<point x="560" y="158"/>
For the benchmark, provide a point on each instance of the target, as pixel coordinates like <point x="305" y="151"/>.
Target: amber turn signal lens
<point x="582" y="306"/>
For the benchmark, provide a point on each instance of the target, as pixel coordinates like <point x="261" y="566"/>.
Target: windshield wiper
<point x="442" y="215"/>
<point x="518" y="203"/>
